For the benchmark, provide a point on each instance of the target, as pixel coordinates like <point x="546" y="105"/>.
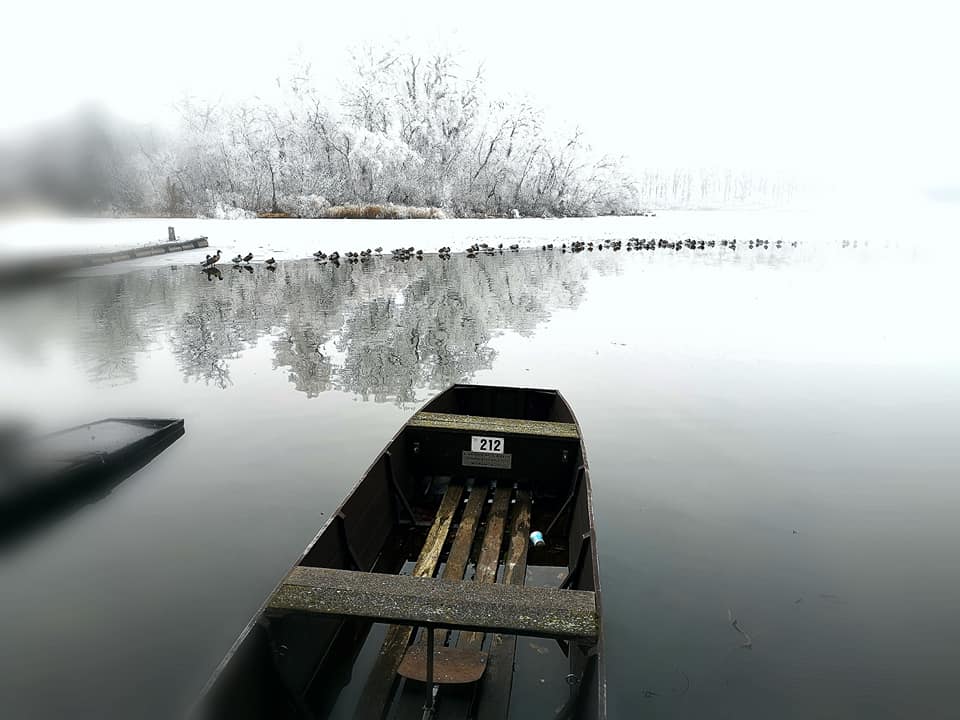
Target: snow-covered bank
<point x="292" y="239"/>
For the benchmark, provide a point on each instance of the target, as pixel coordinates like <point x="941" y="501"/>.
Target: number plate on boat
<point x="481" y="443"/>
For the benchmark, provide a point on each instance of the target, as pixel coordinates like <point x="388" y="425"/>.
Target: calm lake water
<point x="772" y="434"/>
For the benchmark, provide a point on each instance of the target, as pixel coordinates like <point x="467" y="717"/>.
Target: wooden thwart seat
<point x="502" y="426"/>
<point x="460" y="605"/>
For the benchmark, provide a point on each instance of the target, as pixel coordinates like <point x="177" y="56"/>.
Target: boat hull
<point x="432" y="478"/>
<point x="45" y="475"/>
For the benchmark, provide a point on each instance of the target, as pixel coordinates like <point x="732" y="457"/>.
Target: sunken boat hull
<point x="42" y="478"/>
<point x="414" y="593"/>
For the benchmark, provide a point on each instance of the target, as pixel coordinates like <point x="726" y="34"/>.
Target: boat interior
<point x="411" y="600"/>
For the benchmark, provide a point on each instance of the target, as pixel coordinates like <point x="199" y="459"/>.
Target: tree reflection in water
<point x="380" y="330"/>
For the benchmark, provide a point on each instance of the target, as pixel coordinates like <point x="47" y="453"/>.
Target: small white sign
<point x="480" y="443"/>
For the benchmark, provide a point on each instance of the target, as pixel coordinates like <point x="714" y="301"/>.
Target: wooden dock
<point x="45" y="268"/>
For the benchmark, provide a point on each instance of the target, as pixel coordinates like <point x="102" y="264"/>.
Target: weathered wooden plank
<point x="462" y="543"/>
<point x="515" y="565"/>
<point x="489" y="559"/>
<point x="493" y="699"/>
<point x="466" y="605"/>
<point x="415" y="656"/>
<point x="505" y="426"/>
<point x="383" y="676"/>
<point x="433" y="545"/>
<point x="460" y="550"/>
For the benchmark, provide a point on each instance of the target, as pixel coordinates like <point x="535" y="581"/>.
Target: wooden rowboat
<point x="409" y="601"/>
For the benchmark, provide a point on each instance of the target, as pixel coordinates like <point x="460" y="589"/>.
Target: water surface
<point x="772" y="437"/>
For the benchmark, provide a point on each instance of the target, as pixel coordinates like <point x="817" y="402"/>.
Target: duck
<point x="248" y="257"/>
<point x="211" y="260"/>
<point x="237" y="260"/>
<point x="378" y="250"/>
<point x="271" y="261"/>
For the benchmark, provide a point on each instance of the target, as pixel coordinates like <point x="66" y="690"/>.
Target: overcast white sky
<point x="817" y="89"/>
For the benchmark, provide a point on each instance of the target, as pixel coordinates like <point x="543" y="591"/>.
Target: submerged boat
<point x="38" y="476"/>
<point x="472" y="527"/>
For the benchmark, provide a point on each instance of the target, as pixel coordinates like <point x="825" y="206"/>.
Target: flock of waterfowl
<point x="661" y="244"/>
<point x="209" y="265"/>
<point x="240" y="263"/>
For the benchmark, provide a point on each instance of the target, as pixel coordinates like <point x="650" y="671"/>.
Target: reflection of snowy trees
<point x="381" y="330"/>
<point x="112" y="334"/>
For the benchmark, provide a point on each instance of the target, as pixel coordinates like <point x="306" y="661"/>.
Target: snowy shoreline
<point x="296" y="238"/>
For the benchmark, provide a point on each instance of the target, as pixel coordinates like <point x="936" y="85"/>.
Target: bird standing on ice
<point x="211" y="260"/>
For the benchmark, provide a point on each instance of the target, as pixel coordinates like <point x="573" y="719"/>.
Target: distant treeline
<point x="405" y="131"/>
